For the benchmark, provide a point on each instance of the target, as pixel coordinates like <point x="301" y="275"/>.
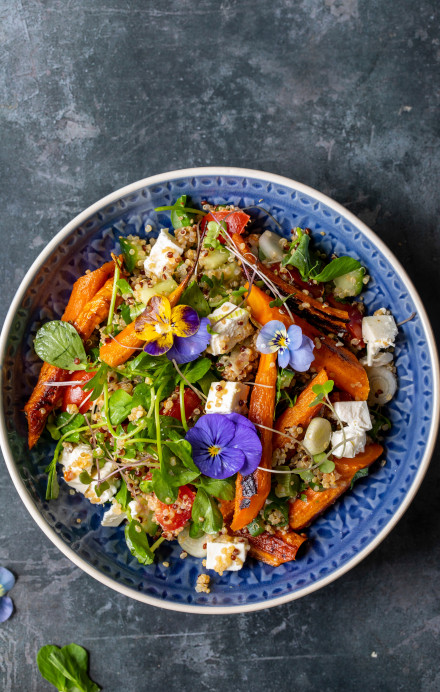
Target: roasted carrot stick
<point x="301" y="413"/>
<point x="302" y="513"/>
<point x="43" y="400"/>
<point x="85" y="288"/>
<point x="95" y="311"/>
<point x="274" y="549"/>
<point x="251" y="491"/>
<point x="341" y="365"/>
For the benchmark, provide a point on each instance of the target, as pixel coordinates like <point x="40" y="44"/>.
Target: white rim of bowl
<point x="338" y="208"/>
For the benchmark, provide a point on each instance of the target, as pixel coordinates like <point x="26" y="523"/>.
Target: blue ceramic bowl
<point x="346" y="533"/>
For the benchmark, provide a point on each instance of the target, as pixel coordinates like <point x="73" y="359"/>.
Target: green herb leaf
<point x="182" y="449"/>
<point x="221" y="489"/>
<point x="379" y="421"/>
<point x="194" y="297"/>
<point x="212" y="232"/>
<point x="180" y="215"/>
<point x="68" y="423"/>
<point x="96" y="384"/>
<point x="205" y="382"/>
<point x="85" y="478"/>
<point x="52" y="488"/>
<point x="123" y="496"/>
<point x="277" y="504"/>
<point x="162" y="488"/>
<point x="205" y="513"/>
<point x="142" y="395"/>
<point x="359" y="474"/>
<point x="52" y="428"/>
<point x="337" y="267"/>
<point x="59" y="344"/>
<point x="130" y="258"/>
<point x="278" y="303"/>
<point x="327" y="466"/>
<point x="48" y="670"/>
<point x="119" y="405"/>
<point x="299" y="255"/>
<point x="195" y="531"/>
<point x="66" y="668"/>
<point x="124" y="287"/>
<point x="137" y="543"/>
<point x="197" y="369"/>
<point x="321" y="391"/>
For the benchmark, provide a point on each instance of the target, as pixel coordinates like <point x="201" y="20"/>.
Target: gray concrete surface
<point x="340" y="94"/>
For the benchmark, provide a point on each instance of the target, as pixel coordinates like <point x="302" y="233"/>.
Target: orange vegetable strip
<point x="341" y="365"/>
<point x="95" y="311"/>
<point x="301" y="413"/>
<point x="274" y="549"/>
<point x="43" y="400"/>
<point x="261" y="410"/>
<point x="302" y="513"/>
<point x="85" y="288"/>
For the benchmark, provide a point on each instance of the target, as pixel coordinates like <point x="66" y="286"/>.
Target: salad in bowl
<point x="215" y="386"/>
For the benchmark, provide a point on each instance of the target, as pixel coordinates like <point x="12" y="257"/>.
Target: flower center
<point x="2" y="590"/>
<point x="161" y="328"/>
<point x="214" y="450"/>
<point x="280" y="340"/>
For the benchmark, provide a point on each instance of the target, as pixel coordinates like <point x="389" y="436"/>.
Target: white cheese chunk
<point x="76" y="460"/>
<point x="164" y="257"/>
<point x="378" y="331"/>
<point x="226" y="553"/>
<point x="114" y="516"/>
<point x="234" y="327"/>
<point x="354" y="413"/>
<point x="114" y="483"/>
<point x="227" y="397"/>
<point x="355" y="442"/>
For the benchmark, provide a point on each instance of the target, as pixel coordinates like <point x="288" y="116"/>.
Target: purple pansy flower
<point x="224" y="444"/>
<point x="160" y="324"/>
<point x="294" y="348"/>
<point x="186" y="349"/>
<point x="7" y="581"/>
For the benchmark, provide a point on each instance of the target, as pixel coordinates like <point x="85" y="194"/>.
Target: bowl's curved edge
<point x="300" y="187"/>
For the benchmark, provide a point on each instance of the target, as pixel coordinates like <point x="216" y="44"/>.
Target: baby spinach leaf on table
<point x="221" y="489"/>
<point x="194" y="297"/>
<point x="337" y="267"/>
<point x="59" y="344"/>
<point x="137" y="543"/>
<point x="197" y="369"/>
<point x="66" y="668"/>
<point x="69" y="424"/>
<point x="119" y="405"/>
<point x="96" y="384"/>
<point x="205" y="513"/>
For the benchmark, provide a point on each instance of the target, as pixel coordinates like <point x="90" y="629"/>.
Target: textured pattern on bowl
<point x="348" y="530"/>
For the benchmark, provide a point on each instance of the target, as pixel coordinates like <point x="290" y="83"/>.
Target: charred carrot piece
<point x="95" y="311"/>
<point x="251" y="491"/>
<point x="304" y="512"/>
<point x="85" y="288"/>
<point x="43" y="400"/>
<point x="341" y="365"/>
<point x="301" y="413"/>
<point x="274" y="549"/>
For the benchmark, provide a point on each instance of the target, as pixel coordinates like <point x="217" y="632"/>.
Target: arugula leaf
<point x="137" y="543"/>
<point x="119" y="406"/>
<point x="221" y="489"/>
<point x="66" y="423"/>
<point x="337" y="267"/>
<point x="197" y="369"/>
<point x="205" y="513"/>
<point x="59" y="344"/>
<point x="359" y="474"/>
<point x="194" y="297"/>
<point x="96" y="384"/>
<point x="66" y="668"/>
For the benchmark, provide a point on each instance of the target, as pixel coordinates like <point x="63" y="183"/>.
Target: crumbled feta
<point x="226" y="553"/>
<point x="227" y="397"/>
<point x="378" y="331"/>
<point x="114" y="483"/>
<point x="133" y="507"/>
<point x="356" y="440"/>
<point x="354" y="413"/>
<point x="234" y="327"/>
<point x="164" y="257"/>
<point x="114" y="516"/>
<point x="76" y="460"/>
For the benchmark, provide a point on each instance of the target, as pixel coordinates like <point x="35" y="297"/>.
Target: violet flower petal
<point x="7" y="580"/>
<point x="187" y="349"/>
<point x="295" y="336"/>
<point x="302" y="358"/>
<point x="248" y="441"/>
<point x="283" y="357"/>
<point x="6" y="608"/>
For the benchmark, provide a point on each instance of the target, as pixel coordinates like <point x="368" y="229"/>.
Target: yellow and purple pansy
<point x="177" y="331"/>
<point x="294" y="348"/>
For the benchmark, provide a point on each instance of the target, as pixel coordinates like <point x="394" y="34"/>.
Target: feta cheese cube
<point x="226" y="553"/>
<point x="227" y="397"/>
<point x="355" y="442"/>
<point x="234" y="327"/>
<point x="164" y="257"/>
<point x="114" y="516"/>
<point x="354" y="413"/>
<point x="378" y="331"/>
<point x="76" y="460"/>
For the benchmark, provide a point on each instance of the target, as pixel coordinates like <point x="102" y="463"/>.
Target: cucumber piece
<point x="215" y="258"/>
<point x="132" y="253"/>
<point x="349" y="285"/>
<point x="269" y="247"/>
<point x="162" y="288"/>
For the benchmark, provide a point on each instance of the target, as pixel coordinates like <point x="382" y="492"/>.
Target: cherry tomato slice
<point x="354" y="326"/>
<point x="191" y="401"/>
<point x="172" y="517"/>
<point x="75" y="394"/>
<point x="235" y="222"/>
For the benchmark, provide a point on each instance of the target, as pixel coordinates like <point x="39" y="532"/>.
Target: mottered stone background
<point x="342" y="95"/>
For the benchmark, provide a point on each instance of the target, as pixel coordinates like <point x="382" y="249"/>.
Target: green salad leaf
<point x="205" y="513"/>
<point x="119" y="406"/>
<point x="221" y="489"/>
<point x="66" y="668"/>
<point x="194" y="297"/>
<point x="337" y="267"/>
<point x="59" y="344"/>
<point x="137" y="543"/>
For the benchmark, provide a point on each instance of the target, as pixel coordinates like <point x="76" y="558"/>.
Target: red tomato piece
<point x="172" y="517"/>
<point x="235" y="223"/>
<point x="75" y="394"/>
<point x="191" y="401"/>
<point x="354" y="326"/>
